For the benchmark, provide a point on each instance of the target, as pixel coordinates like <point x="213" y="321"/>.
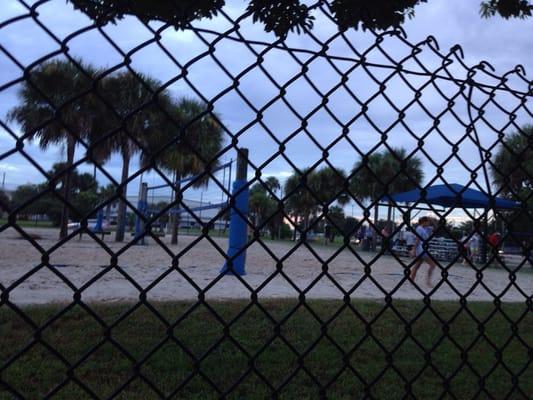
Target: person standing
<point x="369" y="237"/>
<point x="420" y="249"/>
<point x="385" y="243"/>
<point x="464" y="244"/>
<point x="327" y="234"/>
<point x="473" y="246"/>
<point x="361" y="235"/>
<point x="495" y="241"/>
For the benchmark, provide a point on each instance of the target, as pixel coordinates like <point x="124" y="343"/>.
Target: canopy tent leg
<point x="484" y="235"/>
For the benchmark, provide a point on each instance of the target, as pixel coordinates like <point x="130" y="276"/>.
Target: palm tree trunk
<point x="295" y="225"/>
<point x="121" y="217"/>
<point x="67" y="183"/>
<point x="175" y="218"/>
<point x="307" y="222"/>
<point x="390" y="222"/>
<point x="108" y="215"/>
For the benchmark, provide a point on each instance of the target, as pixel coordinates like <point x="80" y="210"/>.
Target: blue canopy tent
<point x="452" y="196"/>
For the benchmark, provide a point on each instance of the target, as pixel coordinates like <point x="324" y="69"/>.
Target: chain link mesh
<point x="464" y="112"/>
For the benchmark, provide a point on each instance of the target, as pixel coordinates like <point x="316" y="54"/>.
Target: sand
<point x="81" y="268"/>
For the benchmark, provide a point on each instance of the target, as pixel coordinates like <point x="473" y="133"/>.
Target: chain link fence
<point x="370" y="123"/>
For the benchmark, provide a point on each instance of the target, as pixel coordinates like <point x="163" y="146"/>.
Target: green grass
<point x="38" y="371"/>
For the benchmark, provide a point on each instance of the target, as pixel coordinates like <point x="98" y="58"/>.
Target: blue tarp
<point x="452" y="196"/>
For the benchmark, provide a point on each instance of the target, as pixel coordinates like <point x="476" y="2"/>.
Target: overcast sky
<point x="504" y="44"/>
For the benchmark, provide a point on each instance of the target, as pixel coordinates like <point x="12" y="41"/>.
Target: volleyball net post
<point x="236" y="256"/>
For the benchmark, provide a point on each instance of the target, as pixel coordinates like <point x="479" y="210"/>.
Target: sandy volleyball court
<point x="86" y="265"/>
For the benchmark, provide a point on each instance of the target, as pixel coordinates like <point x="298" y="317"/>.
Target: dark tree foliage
<point x="512" y="174"/>
<point x="371" y="14"/>
<point x="350" y="226"/>
<point x="177" y="12"/>
<point x="25" y="199"/>
<point x="4" y="203"/>
<point x="84" y="197"/>
<point x="507" y="8"/>
<point x="283" y="16"/>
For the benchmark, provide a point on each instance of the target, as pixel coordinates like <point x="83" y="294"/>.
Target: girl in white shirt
<point x="420" y="249"/>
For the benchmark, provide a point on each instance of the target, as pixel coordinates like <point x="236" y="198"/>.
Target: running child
<point x="419" y="250"/>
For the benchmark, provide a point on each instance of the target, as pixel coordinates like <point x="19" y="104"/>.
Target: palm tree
<point x="134" y="115"/>
<point x="260" y="203"/>
<point x="106" y="193"/>
<point x="187" y="145"/>
<point x="367" y="179"/>
<point x="275" y="221"/>
<point x="512" y="165"/>
<point x="383" y="173"/>
<point x="300" y="202"/>
<point x="512" y="175"/>
<point x="328" y="185"/>
<point x="264" y="205"/>
<point x="272" y="183"/>
<point x="57" y="108"/>
<point x="337" y="222"/>
<point x="410" y="177"/>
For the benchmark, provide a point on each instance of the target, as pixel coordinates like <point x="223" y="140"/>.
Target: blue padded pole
<point x="99" y="221"/>
<point x="238" y="225"/>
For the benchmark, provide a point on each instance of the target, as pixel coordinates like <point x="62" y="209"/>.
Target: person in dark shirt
<point x="327" y="234"/>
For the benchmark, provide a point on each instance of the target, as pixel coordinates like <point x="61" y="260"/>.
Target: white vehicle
<point x="77" y="225"/>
